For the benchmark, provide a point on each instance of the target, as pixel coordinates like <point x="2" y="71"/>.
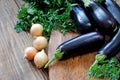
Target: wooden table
<point x="12" y="64"/>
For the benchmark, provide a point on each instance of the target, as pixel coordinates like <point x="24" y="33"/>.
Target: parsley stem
<point x="94" y="64"/>
<point x="99" y="58"/>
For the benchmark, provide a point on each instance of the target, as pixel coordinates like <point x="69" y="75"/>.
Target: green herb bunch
<point x="52" y="14"/>
<point x="107" y="70"/>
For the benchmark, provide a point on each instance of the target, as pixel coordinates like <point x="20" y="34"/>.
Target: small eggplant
<point x="109" y="50"/>
<point x="79" y="45"/>
<point x="81" y="20"/>
<point x="106" y="23"/>
<point x="113" y="8"/>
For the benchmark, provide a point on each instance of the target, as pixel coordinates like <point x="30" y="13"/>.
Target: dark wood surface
<point x="12" y="64"/>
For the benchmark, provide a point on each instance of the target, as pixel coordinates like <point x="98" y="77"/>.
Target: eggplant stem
<point x="74" y="4"/>
<point x="94" y="64"/>
<point x="57" y="55"/>
<point x="99" y="58"/>
<point x="116" y="28"/>
<point x="86" y="2"/>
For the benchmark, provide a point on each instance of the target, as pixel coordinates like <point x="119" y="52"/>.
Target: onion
<point x="40" y="43"/>
<point x="40" y="59"/>
<point x="30" y="52"/>
<point x="36" y="30"/>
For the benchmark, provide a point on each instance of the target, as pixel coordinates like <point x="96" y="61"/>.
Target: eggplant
<point x="106" y="23"/>
<point x="79" y="45"/>
<point x="109" y="50"/>
<point x="82" y="22"/>
<point x="113" y="9"/>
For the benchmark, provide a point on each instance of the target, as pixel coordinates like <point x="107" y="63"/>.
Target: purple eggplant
<point x="83" y="24"/>
<point x="109" y="50"/>
<point x="106" y="23"/>
<point x="79" y="45"/>
<point x="113" y="8"/>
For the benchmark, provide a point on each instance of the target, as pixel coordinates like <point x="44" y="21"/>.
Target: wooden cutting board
<point x="70" y="69"/>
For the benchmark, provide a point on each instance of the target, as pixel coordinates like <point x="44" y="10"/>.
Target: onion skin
<point x="40" y="59"/>
<point x="36" y="30"/>
<point x="30" y="52"/>
<point x="40" y="43"/>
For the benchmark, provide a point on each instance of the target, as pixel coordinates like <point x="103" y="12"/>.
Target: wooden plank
<point x="19" y="3"/>
<point x="12" y="64"/>
<point x="70" y="69"/>
<point x="118" y="2"/>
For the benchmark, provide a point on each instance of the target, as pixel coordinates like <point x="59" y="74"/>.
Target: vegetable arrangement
<point x="37" y="52"/>
<point x="102" y="67"/>
<point x="78" y="46"/>
<point x="51" y="14"/>
<point x="108" y="51"/>
<point x="93" y="18"/>
<point x="106" y="25"/>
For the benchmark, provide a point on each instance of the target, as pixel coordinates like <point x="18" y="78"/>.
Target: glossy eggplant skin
<point x="111" y="48"/>
<point x="81" y="44"/>
<point x="81" y="20"/>
<point x="106" y="23"/>
<point x="113" y="8"/>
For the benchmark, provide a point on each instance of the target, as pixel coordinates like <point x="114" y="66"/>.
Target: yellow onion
<point x="36" y="30"/>
<point x="40" y="59"/>
<point x="40" y="43"/>
<point x="29" y="53"/>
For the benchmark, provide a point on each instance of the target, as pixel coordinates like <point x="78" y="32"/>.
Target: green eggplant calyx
<point x="58" y="55"/>
<point x="86" y="2"/>
<point x="99" y="58"/>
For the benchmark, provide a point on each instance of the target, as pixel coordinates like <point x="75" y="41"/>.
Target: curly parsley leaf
<point x="108" y="70"/>
<point x="54" y="16"/>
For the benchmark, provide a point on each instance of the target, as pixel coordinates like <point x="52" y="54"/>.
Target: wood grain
<point x="12" y="64"/>
<point x="70" y="69"/>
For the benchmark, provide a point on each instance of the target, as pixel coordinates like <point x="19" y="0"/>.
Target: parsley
<point x="53" y="14"/>
<point x="108" y="70"/>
